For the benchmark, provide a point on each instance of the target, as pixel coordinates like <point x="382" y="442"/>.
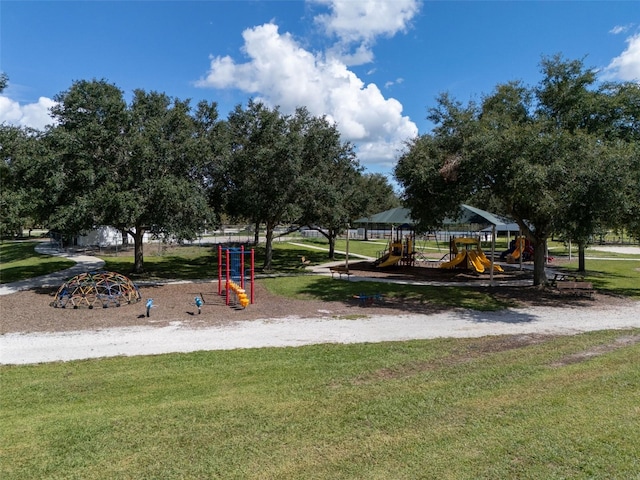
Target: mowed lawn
<point x="498" y="407"/>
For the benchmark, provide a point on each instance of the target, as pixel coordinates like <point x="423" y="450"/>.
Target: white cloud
<point x="391" y="83"/>
<point x="359" y="23"/>
<point x="279" y="71"/>
<point x="620" y="29"/>
<point x="33" y="115"/>
<point x="626" y="66"/>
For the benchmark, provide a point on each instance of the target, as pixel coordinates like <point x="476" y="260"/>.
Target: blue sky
<point x="374" y="67"/>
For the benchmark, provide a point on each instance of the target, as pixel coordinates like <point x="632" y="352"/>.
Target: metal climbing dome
<point x="95" y="290"/>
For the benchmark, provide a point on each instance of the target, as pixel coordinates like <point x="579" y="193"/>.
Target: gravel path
<point x="19" y="348"/>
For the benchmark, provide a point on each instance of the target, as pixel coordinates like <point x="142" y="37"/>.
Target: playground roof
<point x="401" y="215"/>
<point x="395" y="216"/>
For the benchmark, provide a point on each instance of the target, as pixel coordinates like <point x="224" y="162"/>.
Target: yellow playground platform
<point x="467" y="257"/>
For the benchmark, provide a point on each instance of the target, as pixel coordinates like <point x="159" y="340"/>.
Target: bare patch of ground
<point x="30" y="311"/>
<point x="596" y="351"/>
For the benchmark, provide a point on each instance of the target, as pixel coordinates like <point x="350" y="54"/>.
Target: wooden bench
<point x="340" y="270"/>
<point x="562" y="277"/>
<point x="575" y="287"/>
<point x="304" y="262"/>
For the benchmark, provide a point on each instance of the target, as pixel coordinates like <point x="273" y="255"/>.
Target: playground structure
<point x="518" y="247"/>
<point x="468" y="258"/>
<point x="96" y="289"/>
<point x="231" y="263"/>
<point x="400" y="251"/>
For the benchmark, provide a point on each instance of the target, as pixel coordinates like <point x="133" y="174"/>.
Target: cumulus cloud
<point x="626" y="66"/>
<point x="279" y="71"/>
<point x="33" y="115"/>
<point x="358" y="24"/>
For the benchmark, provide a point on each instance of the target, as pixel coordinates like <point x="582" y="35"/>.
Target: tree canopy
<point x="135" y="167"/>
<point x="557" y="158"/>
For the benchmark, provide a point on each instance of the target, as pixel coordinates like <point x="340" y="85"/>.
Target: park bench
<point x="562" y="277"/>
<point x="340" y="270"/>
<point x="574" y="287"/>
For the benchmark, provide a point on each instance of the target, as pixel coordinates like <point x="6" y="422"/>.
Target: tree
<point x="376" y="195"/>
<point x="19" y="156"/>
<point x="262" y="168"/>
<point x="531" y="154"/>
<point x="138" y="168"/>
<point x="160" y="186"/>
<point x="328" y="187"/>
<point x="4" y="81"/>
<point x="87" y="149"/>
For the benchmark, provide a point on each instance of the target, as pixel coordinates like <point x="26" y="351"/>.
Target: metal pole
<point x="520" y="239"/>
<point x="346" y="261"/>
<point x="228" y="280"/>
<point x="493" y="252"/>
<point x="241" y="266"/>
<point x="219" y="269"/>
<point x="253" y="282"/>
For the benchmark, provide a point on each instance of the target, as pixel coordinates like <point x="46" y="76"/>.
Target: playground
<point x="30" y="310"/>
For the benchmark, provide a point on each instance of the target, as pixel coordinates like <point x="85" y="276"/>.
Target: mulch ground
<point x="31" y="311"/>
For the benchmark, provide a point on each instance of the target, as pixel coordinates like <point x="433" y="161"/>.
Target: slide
<point x="475" y="261"/>
<point x="389" y="260"/>
<point x="520" y="244"/>
<point x="487" y="263"/>
<point x="459" y="258"/>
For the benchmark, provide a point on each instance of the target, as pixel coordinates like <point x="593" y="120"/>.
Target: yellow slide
<point x="519" y="248"/>
<point x="475" y="261"/>
<point x="459" y="258"/>
<point x="390" y="260"/>
<point x="487" y="263"/>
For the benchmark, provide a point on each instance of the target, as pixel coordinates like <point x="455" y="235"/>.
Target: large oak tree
<point x="138" y="167"/>
<point x="554" y="157"/>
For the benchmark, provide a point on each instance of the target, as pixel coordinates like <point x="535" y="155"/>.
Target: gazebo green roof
<point x="402" y="216"/>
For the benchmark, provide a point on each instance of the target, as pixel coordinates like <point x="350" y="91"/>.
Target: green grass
<point x="201" y="262"/>
<point x="447" y="409"/>
<point x="620" y="277"/>
<point x="19" y="261"/>
<point x="315" y="287"/>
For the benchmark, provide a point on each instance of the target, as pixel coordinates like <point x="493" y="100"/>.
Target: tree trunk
<point x="332" y="246"/>
<point x="539" y="254"/>
<point x="581" y="262"/>
<point x="256" y="233"/>
<point x="125" y="238"/>
<point x="268" y="247"/>
<point x="138" y="264"/>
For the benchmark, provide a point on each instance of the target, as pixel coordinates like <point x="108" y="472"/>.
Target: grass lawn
<point x="621" y="277"/>
<point x="324" y="288"/>
<point x="19" y="260"/>
<point x="447" y="409"/>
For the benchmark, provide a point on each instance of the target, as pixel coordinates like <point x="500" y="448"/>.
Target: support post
<point x="346" y="260"/>
<point x="228" y="280"/>
<point x="493" y="253"/>
<point x="253" y="283"/>
<point x="241" y="266"/>
<point x="219" y="269"/>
